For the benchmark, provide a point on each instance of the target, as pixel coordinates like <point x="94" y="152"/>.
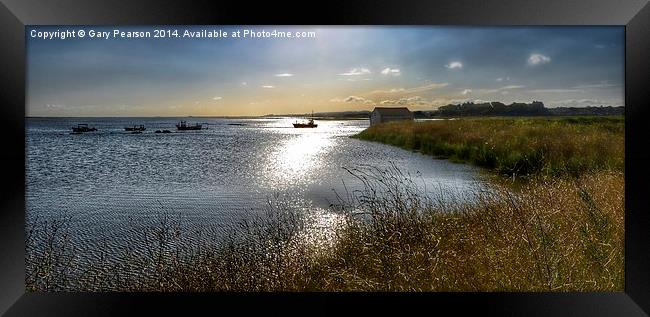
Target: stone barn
<point x="386" y="114"/>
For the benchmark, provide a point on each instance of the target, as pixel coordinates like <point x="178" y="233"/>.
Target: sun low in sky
<point x="336" y="69"/>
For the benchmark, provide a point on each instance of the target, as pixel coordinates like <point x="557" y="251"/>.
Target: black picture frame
<point x="634" y="15"/>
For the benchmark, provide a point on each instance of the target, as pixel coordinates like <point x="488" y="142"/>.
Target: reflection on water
<point x="321" y="228"/>
<point x="299" y="155"/>
<point x="112" y="183"/>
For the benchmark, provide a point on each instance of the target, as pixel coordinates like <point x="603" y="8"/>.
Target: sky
<point x="334" y="69"/>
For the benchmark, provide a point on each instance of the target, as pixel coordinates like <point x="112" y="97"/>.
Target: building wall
<point x="395" y="118"/>
<point x="375" y="118"/>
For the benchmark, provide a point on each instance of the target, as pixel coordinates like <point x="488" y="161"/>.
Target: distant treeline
<point x="535" y="108"/>
<point x="470" y="109"/>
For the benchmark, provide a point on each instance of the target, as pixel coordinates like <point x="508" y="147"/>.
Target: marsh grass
<point x="559" y="227"/>
<point x="553" y="234"/>
<point x="514" y="146"/>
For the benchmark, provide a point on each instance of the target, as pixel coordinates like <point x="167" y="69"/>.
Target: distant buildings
<point x="386" y="114"/>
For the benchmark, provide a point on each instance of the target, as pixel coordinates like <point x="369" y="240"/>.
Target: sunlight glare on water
<point x="111" y="183"/>
<point x="300" y="154"/>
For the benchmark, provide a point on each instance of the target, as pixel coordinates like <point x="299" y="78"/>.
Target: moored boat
<point x="182" y="126"/>
<point x="135" y="128"/>
<point x="82" y="127"/>
<point x="309" y="124"/>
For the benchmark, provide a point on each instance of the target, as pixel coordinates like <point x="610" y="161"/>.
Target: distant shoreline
<point x="199" y="117"/>
<point x="491" y="109"/>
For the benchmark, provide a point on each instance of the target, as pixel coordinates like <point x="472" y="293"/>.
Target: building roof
<point x="393" y="111"/>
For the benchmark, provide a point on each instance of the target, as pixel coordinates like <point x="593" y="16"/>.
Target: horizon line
<point x="289" y="114"/>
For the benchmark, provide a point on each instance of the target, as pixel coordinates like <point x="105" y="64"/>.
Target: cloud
<point x="356" y="79"/>
<point x="357" y="99"/>
<point x="91" y="109"/>
<point x="217" y="98"/>
<point x="353" y="99"/>
<point x="411" y="90"/>
<point x="557" y="90"/>
<point x="512" y="87"/>
<point x="268" y="86"/>
<point x="500" y="79"/>
<point x="390" y="71"/>
<point x="244" y="83"/>
<point x="388" y="91"/>
<point x="407" y="101"/>
<point x="418" y="102"/>
<point x="466" y="91"/>
<point x="585" y="103"/>
<point x="283" y="75"/>
<point x="356" y="72"/>
<point x="599" y="85"/>
<point x="454" y="65"/>
<point x="538" y="59"/>
<point x="501" y="89"/>
<point x="55" y="107"/>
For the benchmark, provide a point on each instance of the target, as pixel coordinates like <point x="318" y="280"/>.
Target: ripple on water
<point x="113" y="185"/>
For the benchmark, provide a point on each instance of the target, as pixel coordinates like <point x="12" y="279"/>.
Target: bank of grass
<point x="552" y="234"/>
<point x="514" y="146"/>
<point x="561" y="229"/>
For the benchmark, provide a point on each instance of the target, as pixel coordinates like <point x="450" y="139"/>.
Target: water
<point x="109" y="181"/>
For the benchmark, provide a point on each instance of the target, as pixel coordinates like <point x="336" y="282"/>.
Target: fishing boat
<point x="82" y="127"/>
<point x="309" y="124"/>
<point x="135" y="128"/>
<point x="182" y="126"/>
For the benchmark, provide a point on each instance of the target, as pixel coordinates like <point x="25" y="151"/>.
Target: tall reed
<point x="550" y="234"/>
